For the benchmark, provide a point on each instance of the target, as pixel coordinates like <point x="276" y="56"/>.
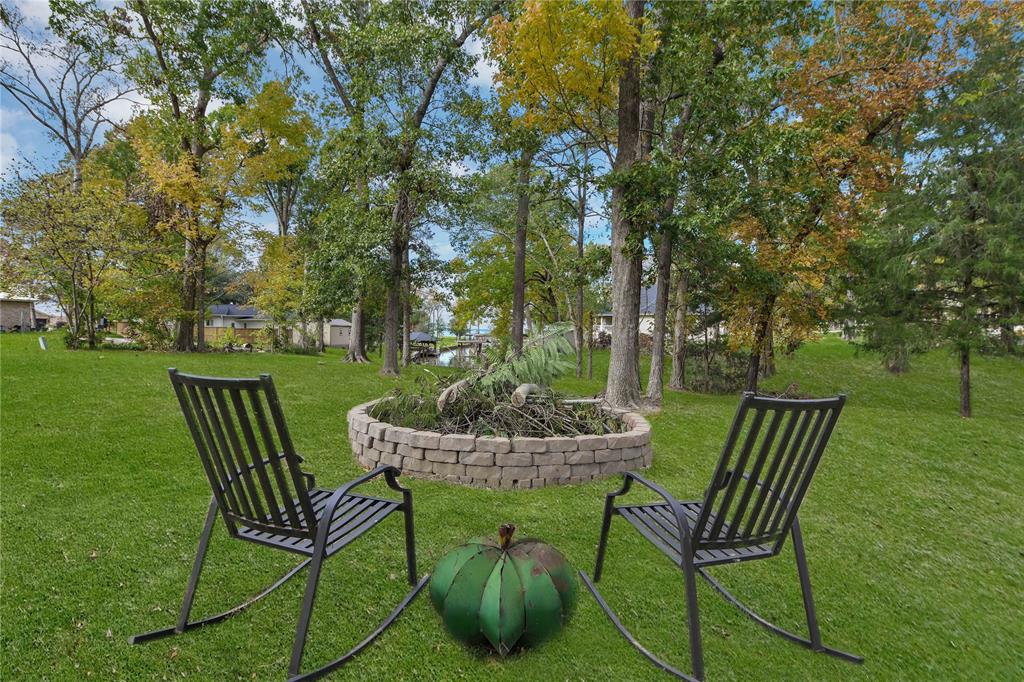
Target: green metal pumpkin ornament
<point x="506" y="593"/>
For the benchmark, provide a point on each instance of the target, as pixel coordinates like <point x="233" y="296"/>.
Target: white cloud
<point x="8" y="152"/>
<point x="215" y="104"/>
<point x="36" y="12"/>
<point x="486" y="70"/>
<point x="120" y="111"/>
<point x="458" y="169"/>
<point x="441" y="245"/>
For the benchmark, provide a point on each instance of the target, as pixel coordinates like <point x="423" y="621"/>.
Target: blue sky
<point x="22" y="139"/>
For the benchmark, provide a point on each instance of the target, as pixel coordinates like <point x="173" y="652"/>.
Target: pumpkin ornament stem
<point x="505" y="535"/>
<point x="505" y="593"/>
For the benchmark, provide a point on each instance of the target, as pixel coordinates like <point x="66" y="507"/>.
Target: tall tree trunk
<point x="184" y="338"/>
<point x="394" y="287"/>
<point x="92" y="320"/>
<point x="406" y="309"/>
<point x="680" y="335"/>
<point x="590" y="346"/>
<point x="768" y="365"/>
<point x="761" y="325"/>
<point x="965" y="381"/>
<point x="1006" y="337"/>
<point x="664" y="283"/>
<point x="200" y="306"/>
<point x="74" y="312"/>
<point x="519" y="264"/>
<point x="357" y="335"/>
<point x="623" y="387"/>
<point x="707" y="350"/>
<point x="899" y="360"/>
<point x="581" y="219"/>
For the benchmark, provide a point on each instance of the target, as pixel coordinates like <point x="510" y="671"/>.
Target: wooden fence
<point x="211" y="334"/>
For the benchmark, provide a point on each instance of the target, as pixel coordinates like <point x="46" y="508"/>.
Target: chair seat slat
<point x="365" y="524"/>
<point x="655" y="522"/>
<point x="634" y="518"/>
<point x="354" y="515"/>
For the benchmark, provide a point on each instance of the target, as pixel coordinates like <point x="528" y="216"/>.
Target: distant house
<point x="234" y="316"/>
<point x="17" y="313"/>
<point x="648" y="296"/>
<point x="244" y="318"/>
<point x="337" y="333"/>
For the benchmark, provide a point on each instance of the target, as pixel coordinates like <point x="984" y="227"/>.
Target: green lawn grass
<point x="914" y="530"/>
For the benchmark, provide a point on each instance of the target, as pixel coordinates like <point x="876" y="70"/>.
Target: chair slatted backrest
<point x="243" y="443"/>
<point x="771" y="453"/>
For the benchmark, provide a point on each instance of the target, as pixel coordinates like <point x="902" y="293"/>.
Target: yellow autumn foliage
<point x="560" y="61"/>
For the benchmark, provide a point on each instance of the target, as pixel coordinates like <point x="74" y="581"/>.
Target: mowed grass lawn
<point x="914" y="529"/>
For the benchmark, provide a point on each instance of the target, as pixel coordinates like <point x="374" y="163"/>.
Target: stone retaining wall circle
<point x="491" y="462"/>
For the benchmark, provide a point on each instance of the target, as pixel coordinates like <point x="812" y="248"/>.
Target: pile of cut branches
<point x="504" y="398"/>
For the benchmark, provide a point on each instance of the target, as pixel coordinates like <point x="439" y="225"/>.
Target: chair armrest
<point x="391" y="474"/>
<point x="685" y="542"/>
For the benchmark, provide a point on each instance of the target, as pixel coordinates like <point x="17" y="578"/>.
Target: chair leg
<point x="805" y="587"/>
<point x="410" y="540"/>
<point x="693" y="618"/>
<point x="302" y="629"/>
<point x="197" y="568"/>
<point x="660" y="664"/>
<point x="814" y="643"/>
<point x="606" y="524"/>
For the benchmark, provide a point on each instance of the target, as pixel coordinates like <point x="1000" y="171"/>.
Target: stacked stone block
<point x="492" y="462"/>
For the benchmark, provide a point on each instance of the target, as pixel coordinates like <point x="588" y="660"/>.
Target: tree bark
<point x="394" y="288"/>
<point x="92" y="320"/>
<point x="200" y="305"/>
<point x="590" y="346"/>
<point x="184" y="338"/>
<point x="965" y="381"/>
<point x="623" y="387"/>
<point x="581" y="218"/>
<point x="357" y="335"/>
<point x="680" y="335"/>
<point x="768" y="365"/>
<point x="899" y="361"/>
<point x="519" y="264"/>
<point x="654" y="380"/>
<point x="406" y="306"/>
<point x="403" y="163"/>
<point x="764" y="319"/>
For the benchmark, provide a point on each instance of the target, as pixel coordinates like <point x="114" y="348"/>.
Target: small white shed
<point x="337" y="333"/>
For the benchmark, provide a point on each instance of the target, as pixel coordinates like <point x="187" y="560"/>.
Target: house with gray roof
<point x="648" y="296"/>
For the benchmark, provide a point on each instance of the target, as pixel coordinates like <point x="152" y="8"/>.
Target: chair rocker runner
<point x="263" y="496"/>
<point x="765" y="468"/>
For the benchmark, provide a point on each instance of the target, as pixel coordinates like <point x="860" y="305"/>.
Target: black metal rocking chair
<point x="746" y="514"/>
<point x="264" y="497"/>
